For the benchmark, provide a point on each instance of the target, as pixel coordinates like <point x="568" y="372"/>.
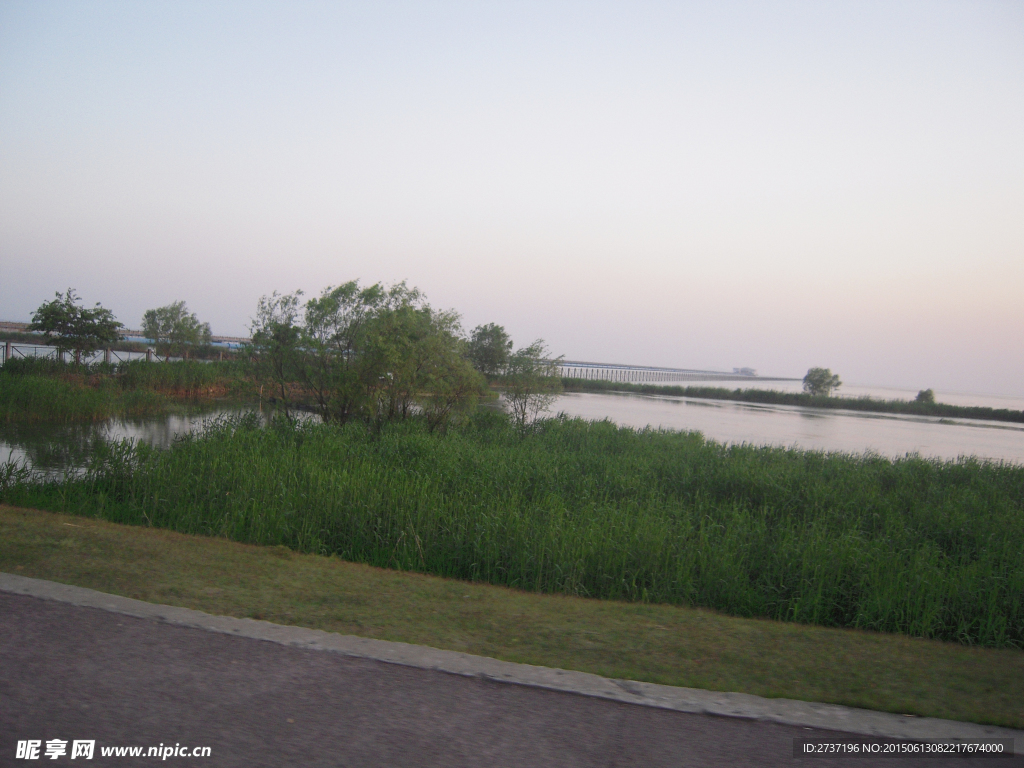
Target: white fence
<point x="12" y="351"/>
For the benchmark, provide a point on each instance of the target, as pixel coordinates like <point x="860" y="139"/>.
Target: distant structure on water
<point x="569" y="369"/>
<point x="129" y="334"/>
<point x="578" y="369"/>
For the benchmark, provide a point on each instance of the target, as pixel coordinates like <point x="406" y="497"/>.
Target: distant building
<point x="745" y="371"/>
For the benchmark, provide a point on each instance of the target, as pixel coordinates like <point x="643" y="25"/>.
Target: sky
<point x="701" y="185"/>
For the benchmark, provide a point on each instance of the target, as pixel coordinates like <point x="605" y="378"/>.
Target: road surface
<point x="76" y="673"/>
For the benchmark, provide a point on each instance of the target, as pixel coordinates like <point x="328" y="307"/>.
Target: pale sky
<point x="703" y="185"/>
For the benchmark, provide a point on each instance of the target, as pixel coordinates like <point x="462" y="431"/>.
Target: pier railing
<point x="12" y="350"/>
<point x="644" y="374"/>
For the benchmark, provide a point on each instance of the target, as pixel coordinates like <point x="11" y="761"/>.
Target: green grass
<point x="177" y="375"/>
<point x="43" y="389"/>
<point x="654" y="643"/>
<point x="42" y="398"/>
<point x="913" y="546"/>
<point x="774" y="397"/>
<point x="191" y="378"/>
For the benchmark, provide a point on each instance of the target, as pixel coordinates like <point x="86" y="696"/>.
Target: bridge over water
<point x="569" y="369"/>
<point x="643" y="374"/>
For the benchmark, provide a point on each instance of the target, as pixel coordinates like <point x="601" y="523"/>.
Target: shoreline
<point x="775" y="397"/>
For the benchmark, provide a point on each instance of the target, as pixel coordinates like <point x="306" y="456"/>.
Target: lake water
<point x="53" y="447"/>
<point x="847" y="431"/>
<point x="883" y="393"/>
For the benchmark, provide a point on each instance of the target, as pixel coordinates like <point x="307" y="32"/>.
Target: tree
<point x="68" y="326"/>
<point x="275" y="341"/>
<point x="378" y="354"/>
<point x="333" y="335"/>
<point x="391" y="358"/>
<point x="412" y="359"/>
<point x="175" y="330"/>
<point x="489" y="349"/>
<point x="925" y="396"/>
<point x="821" y="381"/>
<point x="531" y="382"/>
<point x="452" y="385"/>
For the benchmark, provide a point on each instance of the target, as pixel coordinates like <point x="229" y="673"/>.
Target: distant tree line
<point x="376" y="354"/>
<point x="71" y="327"/>
<point x="822" y="382"/>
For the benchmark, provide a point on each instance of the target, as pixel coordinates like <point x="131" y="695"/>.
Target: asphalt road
<point x="68" y="673"/>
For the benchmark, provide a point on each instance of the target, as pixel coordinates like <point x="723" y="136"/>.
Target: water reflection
<point x="54" y="448"/>
<point x="48" y="446"/>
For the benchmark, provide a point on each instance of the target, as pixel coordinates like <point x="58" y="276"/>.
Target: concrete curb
<point x="692" y="700"/>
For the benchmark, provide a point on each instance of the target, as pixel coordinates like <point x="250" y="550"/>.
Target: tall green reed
<point x="186" y="376"/>
<point x="921" y="547"/>
<point x="43" y="398"/>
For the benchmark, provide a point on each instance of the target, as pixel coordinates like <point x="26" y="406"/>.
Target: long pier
<point x="568" y="369"/>
<point x="131" y="334"/>
<point x="579" y="369"/>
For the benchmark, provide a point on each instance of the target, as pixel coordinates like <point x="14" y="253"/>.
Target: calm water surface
<point x="55" y="447"/>
<point x="888" y="393"/>
<point x="848" y="431"/>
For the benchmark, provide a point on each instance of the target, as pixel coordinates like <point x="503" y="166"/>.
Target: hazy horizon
<point x="696" y="185"/>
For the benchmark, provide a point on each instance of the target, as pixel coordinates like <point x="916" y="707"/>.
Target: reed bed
<point x="774" y="397"/>
<point x="44" y="398"/>
<point x="175" y="376"/>
<point x="183" y="377"/>
<point x="921" y="547"/>
<point x="45" y="389"/>
<point x="50" y="366"/>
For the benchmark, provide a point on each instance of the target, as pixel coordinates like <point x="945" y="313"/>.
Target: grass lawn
<point x="660" y="644"/>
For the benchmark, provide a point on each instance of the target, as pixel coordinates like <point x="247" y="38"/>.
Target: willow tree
<point x="377" y="354"/>
<point x="531" y="382"/>
<point x="332" y="341"/>
<point x="276" y="331"/>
